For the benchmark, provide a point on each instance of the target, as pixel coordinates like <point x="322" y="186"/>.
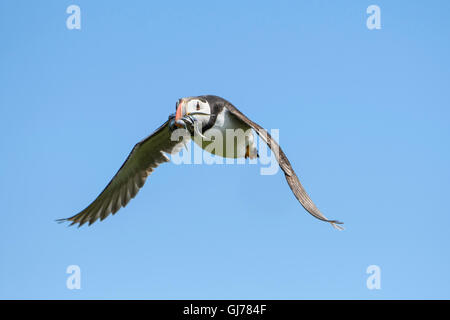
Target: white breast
<point x="231" y="147"/>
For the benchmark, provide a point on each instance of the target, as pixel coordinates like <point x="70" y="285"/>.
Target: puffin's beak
<point x="178" y="114"/>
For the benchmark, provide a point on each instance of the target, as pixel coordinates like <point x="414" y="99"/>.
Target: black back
<point x="216" y="104"/>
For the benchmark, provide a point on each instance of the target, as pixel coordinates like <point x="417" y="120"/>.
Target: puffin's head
<point x="192" y="112"/>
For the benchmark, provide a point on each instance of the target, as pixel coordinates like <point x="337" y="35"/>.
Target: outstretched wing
<point x="285" y="165"/>
<point x="143" y="159"/>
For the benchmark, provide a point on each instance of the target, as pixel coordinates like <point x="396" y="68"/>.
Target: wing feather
<point x="124" y="186"/>
<point x="285" y="165"/>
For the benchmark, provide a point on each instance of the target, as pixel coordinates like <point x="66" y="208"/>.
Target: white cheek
<point x="205" y="118"/>
<point x="220" y="120"/>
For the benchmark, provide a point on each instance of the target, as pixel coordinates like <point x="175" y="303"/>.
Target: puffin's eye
<point x="198" y="106"/>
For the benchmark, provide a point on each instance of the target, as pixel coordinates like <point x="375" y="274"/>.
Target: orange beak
<point x="178" y="113"/>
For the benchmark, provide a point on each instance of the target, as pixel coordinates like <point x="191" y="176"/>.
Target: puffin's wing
<point x="285" y="165"/>
<point x="143" y="159"/>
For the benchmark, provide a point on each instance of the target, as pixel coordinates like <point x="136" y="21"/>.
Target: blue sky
<point x="363" y="117"/>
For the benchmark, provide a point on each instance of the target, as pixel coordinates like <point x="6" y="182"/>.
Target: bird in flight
<point x="196" y="116"/>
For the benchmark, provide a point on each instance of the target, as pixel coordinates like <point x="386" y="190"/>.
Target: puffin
<point x="197" y="118"/>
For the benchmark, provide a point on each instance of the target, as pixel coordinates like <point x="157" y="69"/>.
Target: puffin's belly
<point x="218" y="147"/>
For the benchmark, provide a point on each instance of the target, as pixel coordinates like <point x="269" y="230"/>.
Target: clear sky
<point x="364" y="117"/>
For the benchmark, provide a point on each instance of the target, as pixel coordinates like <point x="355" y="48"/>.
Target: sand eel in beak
<point x="200" y="117"/>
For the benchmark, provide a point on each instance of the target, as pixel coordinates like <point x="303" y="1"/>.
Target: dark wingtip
<point x="67" y="220"/>
<point x="61" y="220"/>
<point x="336" y="224"/>
<point x="73" y="222"/>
